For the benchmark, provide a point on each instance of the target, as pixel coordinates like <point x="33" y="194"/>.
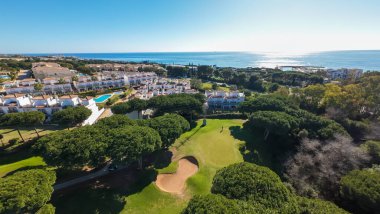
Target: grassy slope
<point x="29" y="162"/>
<point x="136" y="192"/>
<point x="26" y="132"/>
<point x="208" y="86"/>
<point x="19" y="160"/>
<point x="212" y="148"/>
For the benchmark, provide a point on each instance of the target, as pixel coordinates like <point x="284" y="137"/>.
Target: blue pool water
<point x="102" y="98"/>
<point x="4" y="77"/>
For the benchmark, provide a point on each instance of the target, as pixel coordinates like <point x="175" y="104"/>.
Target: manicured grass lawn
<point x="20" y="160"/>
<point x="224" y="88"/>
<point x="172" y="168"/>
<point x="212" y="147"/>
<point x="29" y="162"/>
<point x="136" y="192"/>
<point x="152" y="200"/>
<point x="208" y="86"/>
<point x="27" y="133"/>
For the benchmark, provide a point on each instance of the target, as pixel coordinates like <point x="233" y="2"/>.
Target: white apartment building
<point x="20" y="86"/>
<point x="344" y="73"/>
<point x="62" y="85"/>
<point x="163" y="86"/>
<point x="221" y="100"/>
<point x="102" y="81"/>
<point x="47" y="104"/>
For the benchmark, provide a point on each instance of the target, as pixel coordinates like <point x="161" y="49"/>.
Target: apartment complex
<point x="344" y="73"/>
<point x="62" y="84"/>
<point x="221" y="100"/>
<point x="47" y="104"/>
<point x="112" y="79"/>
<point x="42" y="70"/>
<point x="163" y="86"/>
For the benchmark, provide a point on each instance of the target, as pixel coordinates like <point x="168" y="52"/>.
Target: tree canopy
<point x="316" y="168"/>
<point x="278" y="123"/>
<point x="46" y="209"/>
<point x="76" y="148"/>
<point x="26" y="191"/>
<point x="373" y="149"/>
<point x="22" y="119"/>
<point x="316" y="126"/>
<point x="253" y="183"/>
<point x="219" y="204"/>
<point x="177" y="103"/>
<point x="248" y="188"/>
<point x="71" y="115"/>
<point x="169" y="126"/>
<point x="317" y="206"/>
<point x="129" y="143"/>
<point x="263" y="103"/>
<point x="115" y="121"/>
<point x="362" y="188"/>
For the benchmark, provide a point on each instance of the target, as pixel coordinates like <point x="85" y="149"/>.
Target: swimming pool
<point x="4" y="77"/>
<point x="102" y="98"/>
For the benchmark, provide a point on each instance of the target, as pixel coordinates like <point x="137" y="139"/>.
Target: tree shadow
<point x="256" y="150"/>
<point x="189" y="137"/>
<point x="161" y="159"/>
<point x="25" y="168"/>
<point x="104" y="195"/>
<point x="91" y="200"/>
<point x="15" y="157"/>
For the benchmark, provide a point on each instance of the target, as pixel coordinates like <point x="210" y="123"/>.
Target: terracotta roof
<point x="50" y="78"/>
<point x="43" y="97"/>
<point x="8" y="82"/>
<point x="70" y="96"/>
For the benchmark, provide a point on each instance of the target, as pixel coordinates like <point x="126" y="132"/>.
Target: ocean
<point x="366" y="60"/>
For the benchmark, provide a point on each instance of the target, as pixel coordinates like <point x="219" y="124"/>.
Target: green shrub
<point x="112" y="100"/>
<point x="362" y="188"/>
<point x="317" y="206"/>
<point x="254" y="184"/>
<point x="373" y="149"/>
<point x="210" y="204"/>
<point x="46" y="209"/>
<point x="14" y="141"/>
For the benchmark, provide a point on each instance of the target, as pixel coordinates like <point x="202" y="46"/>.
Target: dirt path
<point x="175" y="183"/>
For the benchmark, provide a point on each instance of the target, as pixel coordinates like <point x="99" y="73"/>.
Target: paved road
<point x="99" y="173"/>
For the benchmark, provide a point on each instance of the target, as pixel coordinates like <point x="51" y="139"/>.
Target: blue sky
<point x="68" y="26"/>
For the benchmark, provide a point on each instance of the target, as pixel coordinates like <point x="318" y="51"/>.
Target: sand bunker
<point x="175" y="183"/>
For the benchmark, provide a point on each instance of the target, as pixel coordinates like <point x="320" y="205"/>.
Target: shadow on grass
<point x="15" y="157"/>
<point x="105" y="195"/>
<point x="189" y="137"/>
<point x="161" y="159"/>
<point x="256" y="150"/>
<point x="25" y="168"/>
<point x="89" y="201"/>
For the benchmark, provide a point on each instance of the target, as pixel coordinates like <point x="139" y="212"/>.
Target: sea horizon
<point x="361" y="59"/>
